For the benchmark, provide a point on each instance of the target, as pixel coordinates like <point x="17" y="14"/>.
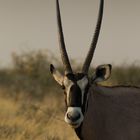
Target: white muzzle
<point x="74" y="116"/>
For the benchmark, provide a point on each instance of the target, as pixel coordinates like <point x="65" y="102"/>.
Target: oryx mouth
<point x="74" y="116"/>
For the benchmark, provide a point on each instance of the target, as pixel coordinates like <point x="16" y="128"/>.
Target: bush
<point x="126" y="75"/>
<point x="30" y="74"/>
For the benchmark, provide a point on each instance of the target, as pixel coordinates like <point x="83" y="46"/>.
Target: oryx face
<point x="76" y="85"/>
<point x="75" y="88"/>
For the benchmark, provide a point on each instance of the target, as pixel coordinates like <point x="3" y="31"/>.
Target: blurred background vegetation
<point x="31" y="103"/>
<point x="30" y="74"/>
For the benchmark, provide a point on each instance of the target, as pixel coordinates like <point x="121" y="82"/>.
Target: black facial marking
<point x="75" y="77"/>
<point x="63" y="87"/>
<point x="71" y="76"/>
<point x="79" y="76"/>
<point x="75" y="96"/>
<point x="51" y="68"/>
<point x="65" y="101"/>
<point x="85" y="105"/>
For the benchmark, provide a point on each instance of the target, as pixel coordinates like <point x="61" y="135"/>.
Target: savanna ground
<point x="31" y="103"/>
<point x="25" y="119"/>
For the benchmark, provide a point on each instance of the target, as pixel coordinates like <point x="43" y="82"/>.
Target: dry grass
<point x="24" y="119"/>
<point x="40" y="117"/>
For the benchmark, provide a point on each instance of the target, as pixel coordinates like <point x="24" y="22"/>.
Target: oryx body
<point x="113" y="113"/>
<point x="97" y="112"/>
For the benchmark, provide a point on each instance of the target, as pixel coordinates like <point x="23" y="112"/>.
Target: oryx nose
<point x="73" y="116"/>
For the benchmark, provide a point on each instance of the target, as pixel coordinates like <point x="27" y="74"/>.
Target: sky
<point x="27" y="25"/>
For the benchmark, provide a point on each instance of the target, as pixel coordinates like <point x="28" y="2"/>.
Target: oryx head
<point x="76" y="85"/>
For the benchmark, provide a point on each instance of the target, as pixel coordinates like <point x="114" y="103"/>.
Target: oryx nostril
<point x="73" y="117"/>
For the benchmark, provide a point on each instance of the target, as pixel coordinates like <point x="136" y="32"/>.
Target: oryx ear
<point x="102" y="73"/>
<point x="56" y="74"/>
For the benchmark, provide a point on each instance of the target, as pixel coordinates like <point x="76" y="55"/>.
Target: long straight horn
<point x="63" y="51"/>
<point x="94" y="40"/>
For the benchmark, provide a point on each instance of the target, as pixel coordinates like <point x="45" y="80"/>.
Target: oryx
<point x="97" y="112"/>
